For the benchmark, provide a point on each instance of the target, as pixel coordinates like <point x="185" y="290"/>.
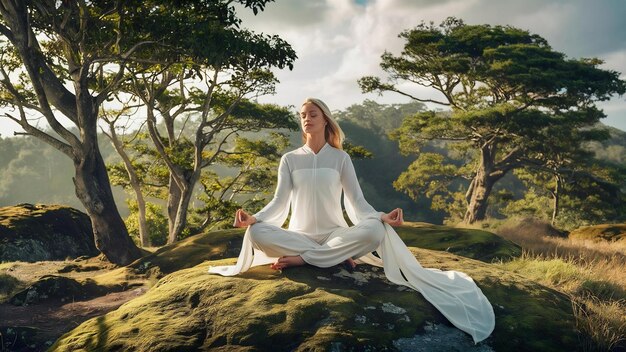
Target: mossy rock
<point x="192" y="251"/>
<point x="604" y="232"/>
<point x="476" y="244"/>
<point x="18" y="338"/>
<point x="39" y="232"/>
<point x="59" y="288"/>
<point x="315" y="309"/>
<point x="471" y="243"/>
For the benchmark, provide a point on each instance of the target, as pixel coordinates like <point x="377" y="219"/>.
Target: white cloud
<point x="339" y="41"/>
<point x="615" y="61"/>
<point x="346" y="39"/>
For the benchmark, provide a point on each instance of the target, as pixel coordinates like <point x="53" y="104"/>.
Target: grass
<point x="589" y="270"/>
<point x="8" y="285"/>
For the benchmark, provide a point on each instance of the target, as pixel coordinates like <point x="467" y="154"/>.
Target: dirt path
<point x="51" y="320"/>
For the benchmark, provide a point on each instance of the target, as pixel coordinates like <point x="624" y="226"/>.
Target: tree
<point x="232" y="65"/>
<point x="221" y="114"/>
<point x="506" y="89"/>
<point x="130" y="168"/>
<point x="254" y="166"/>
<point x="91" y="45"/>
<point x="51" y="44"/>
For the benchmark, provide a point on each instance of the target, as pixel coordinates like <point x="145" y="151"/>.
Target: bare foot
<point x="287" y="261"/>
<point x="349" y="265"/>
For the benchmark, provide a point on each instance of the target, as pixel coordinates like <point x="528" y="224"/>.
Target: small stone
<point x="391" y="308"/>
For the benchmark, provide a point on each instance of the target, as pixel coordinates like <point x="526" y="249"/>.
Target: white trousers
<point x="323" y="250"/>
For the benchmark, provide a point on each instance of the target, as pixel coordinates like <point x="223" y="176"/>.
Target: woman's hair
<point x="332" y="133"/>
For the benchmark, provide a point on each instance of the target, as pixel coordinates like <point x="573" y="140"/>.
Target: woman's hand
<point x="393" y="218"/>
<point x="243" y="219"/>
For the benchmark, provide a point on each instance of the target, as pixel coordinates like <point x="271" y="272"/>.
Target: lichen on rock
<point x="294" y="310"/>
<point x="39" y="232"/>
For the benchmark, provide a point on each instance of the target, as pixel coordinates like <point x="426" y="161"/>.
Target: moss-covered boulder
<point x="471" y="243"/>
<point x="33" y="233"/>
<point x="308" y="308"/>
<point x="603" y="232"/>
<point x="58" y="288"/>
<point x="18" y="338"/>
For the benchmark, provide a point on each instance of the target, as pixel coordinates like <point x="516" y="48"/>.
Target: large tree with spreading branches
<point x="62" y="60"/>
<point x="506" y="90"/>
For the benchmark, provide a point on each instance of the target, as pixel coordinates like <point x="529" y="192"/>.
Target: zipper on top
<point x="314" y="192"/>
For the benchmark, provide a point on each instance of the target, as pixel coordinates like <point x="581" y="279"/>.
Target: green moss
<point x="59" y="288"/>
<point x="604" y="232"/>
<point x="472" y="243"/>
<point x="44" y="232"/>
<point x="9" y="285"/>
<point x="193" y="250"/>
<point x="309" y="308"/>
<point x="476" y="244"/>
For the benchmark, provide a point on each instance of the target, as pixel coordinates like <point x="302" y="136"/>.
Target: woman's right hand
<point x="243" y="219"/>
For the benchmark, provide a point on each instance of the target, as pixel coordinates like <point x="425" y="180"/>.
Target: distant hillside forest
<point x="32" y="172"/>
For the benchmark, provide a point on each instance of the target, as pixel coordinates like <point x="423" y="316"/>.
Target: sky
<point x="340" y="41"/>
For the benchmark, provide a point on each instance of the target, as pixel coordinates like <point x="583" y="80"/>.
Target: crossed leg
<point x="295" y="249"/>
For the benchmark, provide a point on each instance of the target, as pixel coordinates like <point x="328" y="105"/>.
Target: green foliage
<point x="514" y="103"/>
<point x="357" y="151"/>
<point x="251" y="173"/>
<point x="367" y="124"/>
<point x="151" y="170"/>
<point x="155" y="220"/>
<point x="427" y="175"/>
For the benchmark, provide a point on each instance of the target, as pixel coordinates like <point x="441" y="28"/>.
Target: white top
<point x="314" y="184"/>
<point x="311" y="184"/>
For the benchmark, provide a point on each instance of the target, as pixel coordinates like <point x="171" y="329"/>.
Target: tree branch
<point x="393" y="89"/>
<point x="18" y="101"/>
<point x="33" y="131"/>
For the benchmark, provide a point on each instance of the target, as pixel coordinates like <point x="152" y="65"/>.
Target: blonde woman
<point x="311" y="180"/>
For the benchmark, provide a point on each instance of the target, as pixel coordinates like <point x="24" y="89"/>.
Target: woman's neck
<point x="315" y="142"/>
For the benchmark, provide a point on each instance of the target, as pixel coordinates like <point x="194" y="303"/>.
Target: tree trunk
<point x="135" y="185"/>
<point x="174" y="195"/>
<point x="91" y="180"/>
<point x="555" y="200"/>
<point x="180" y="219"/>
<point x="480" y="188"/>
<point x="144" y="235"/>
<point x="94" y="191"/>
<point x="478" y="194"/>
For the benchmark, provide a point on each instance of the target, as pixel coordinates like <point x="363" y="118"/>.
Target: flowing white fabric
<point x="315" y="181"/>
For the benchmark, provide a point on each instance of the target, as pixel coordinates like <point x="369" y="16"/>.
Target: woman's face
<point x="312" y="119"/>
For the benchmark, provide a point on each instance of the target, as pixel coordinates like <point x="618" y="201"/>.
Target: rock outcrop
<point x="308" y="308"/>
<point x="603" y="232"/>
<point x="33" y="233"/>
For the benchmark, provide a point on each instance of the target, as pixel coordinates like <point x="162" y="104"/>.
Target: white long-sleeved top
<point x="311" y="184"/>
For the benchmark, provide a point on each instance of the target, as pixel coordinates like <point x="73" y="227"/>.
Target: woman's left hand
<point x="393" y="218"/>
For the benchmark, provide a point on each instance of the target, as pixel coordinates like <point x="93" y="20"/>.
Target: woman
<point x="311" y="180"/>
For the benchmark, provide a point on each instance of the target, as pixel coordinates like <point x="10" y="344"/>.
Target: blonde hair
<point x="332" y="133"/>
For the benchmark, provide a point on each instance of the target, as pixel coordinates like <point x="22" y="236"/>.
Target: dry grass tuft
<point x="603" y="323"/>
<point x="591" y="272"/>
